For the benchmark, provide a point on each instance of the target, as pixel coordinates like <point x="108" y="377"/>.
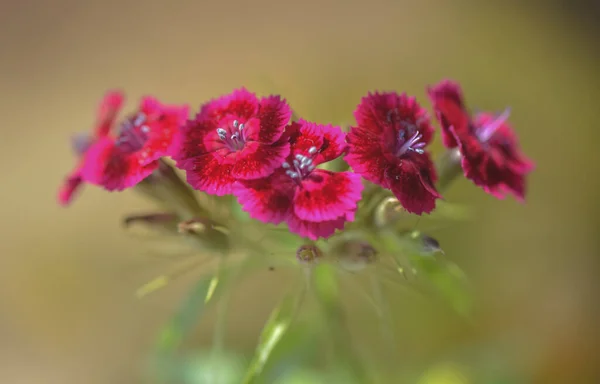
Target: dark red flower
<point x="122" y="161"/>
<point x="313" y="202"/>
<point x="387" y="147"/>
<point x="106" y="115"/>
<point x="235" y="137"/>
<point x="491" y="157"/>
<point x="449" y="108"/>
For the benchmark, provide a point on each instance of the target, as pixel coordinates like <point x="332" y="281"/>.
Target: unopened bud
<point x="355" y="255"/>
<point x="309" y="254"/>
<point x="211" y="234"/>
<point x="388" y="211"/>
<point x="425" y="244"/>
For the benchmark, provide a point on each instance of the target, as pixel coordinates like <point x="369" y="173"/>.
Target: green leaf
<point x="186" y="318"/>
<point x="273" y="332"/>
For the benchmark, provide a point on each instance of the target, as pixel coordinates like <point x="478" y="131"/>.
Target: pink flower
<point x="313" y="202"/>
<point x="122" y="161"/>
<point x="491" y="157"/>
<point x="387" y="147"/>
<point x="106" y="115"/>
<point x="235" y="137"/>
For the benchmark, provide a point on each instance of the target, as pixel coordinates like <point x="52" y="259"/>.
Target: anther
<point x="140" y="119"/>
<point x="222" y="133"/>
<point x="235" y="123"/>
<point x="312" y="150"/>
<point x="487" y="131"/>
<point x="285" y="165"/>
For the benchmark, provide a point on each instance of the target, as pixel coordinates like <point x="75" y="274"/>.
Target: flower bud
<point x="211" y="234"/>
<point x="308" y="254"/>
<point x="354" y="255"/>
<point x="387" y="212"/>
<point x="425" y="244"/>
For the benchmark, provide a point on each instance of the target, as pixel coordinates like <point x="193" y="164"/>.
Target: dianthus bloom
<point x="313" y="202"/>
<point x="120" y="161"/>
<point x="106" y="115"/>
<point x="491" y="157"/>
<point x="387" y="147"/>
<point x="235" y="137"/>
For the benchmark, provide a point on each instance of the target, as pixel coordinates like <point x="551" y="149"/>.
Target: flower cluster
<point x="276" y="167"/>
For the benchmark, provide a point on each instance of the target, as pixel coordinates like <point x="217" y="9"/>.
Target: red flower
<point x="106" y="115"/>
<point x="313" y="202"/>
<point x="387" y="147"/>
<point x="120" y="162"/>
<point x="235" y="137"/>
<point x="491" y="157"/>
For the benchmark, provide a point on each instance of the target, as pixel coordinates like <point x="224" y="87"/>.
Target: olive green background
<point x="67" y="276"/>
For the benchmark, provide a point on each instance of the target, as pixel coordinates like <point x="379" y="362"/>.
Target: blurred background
<point x="67" y="276"/>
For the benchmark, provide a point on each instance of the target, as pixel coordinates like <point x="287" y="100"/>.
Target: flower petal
<point x="314" y="230"/>
<point x="449" y="107"/>
<point x="268" y="200"/>
<point x="107" y="112"/>
<point x="207" y="173"/>
<point x="274" y="114"/>
<point x="106" y="166"/>
<point x="373" y="112"/>
<point x="163" y="122"/>
<point x="259" y="160"/>
<point x="329" y="140"/>
<point x="303" y="136"/>
<point x="195" y="138"/>
<point x="412" y="182"/>
<point x="326" y="195"/>
<point x="366" y="156"/>
<point x="241" y="104"/>
<point x="69" y="188"/>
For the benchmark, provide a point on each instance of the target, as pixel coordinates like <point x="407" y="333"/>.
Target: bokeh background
<point x="67" y="276"/>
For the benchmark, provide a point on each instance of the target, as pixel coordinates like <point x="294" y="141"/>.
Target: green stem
<point x="449" y="168"/>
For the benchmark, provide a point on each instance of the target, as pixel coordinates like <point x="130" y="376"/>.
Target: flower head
<point x="491" y="157"/>
<point x="387" y="147"/>
<point x="312" y="201"/>
<point x="106" y="115"/>
<point x="235" y="137"/>
<point x="121" y="161"/>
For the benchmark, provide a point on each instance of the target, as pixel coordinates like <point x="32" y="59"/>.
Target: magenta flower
<point x="106" y="115"/>
<point x="313" y="202"/>
<point x="120" y="162"/>
<point x="235" y="137"/>
<point x="491" y="157"/>
<point x="387" y="147"/>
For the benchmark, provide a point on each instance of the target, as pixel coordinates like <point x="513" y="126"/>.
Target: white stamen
<point x="312" y="150"/>
<point x="140" y="119"/>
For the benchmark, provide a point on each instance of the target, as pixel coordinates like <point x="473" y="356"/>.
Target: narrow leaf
<point x="273" y="331"/>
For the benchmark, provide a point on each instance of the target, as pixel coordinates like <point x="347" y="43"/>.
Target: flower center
<point x="405" y="128"/>
<point x="234" y="137"/>
<point x="301" y="166"/>
<point x="133" y="133"/>
<point x="412" y="144"/>
<point x="486" y="132"/>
